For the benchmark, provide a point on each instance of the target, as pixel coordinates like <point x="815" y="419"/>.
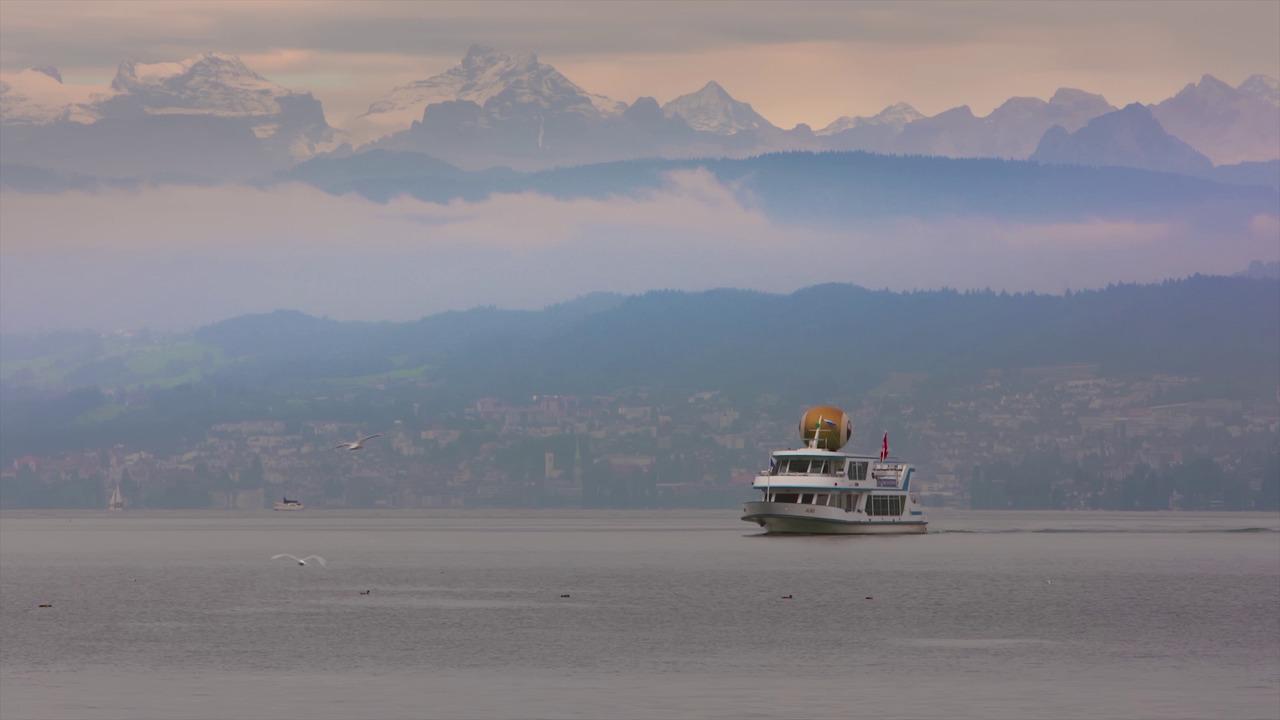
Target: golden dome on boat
<point x="830" y="424"/>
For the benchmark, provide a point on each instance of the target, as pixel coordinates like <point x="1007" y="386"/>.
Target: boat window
<point x="785" y="497"/>
<point x="807" y="466"/>
<point x="820" y="499"/>
<point x="806" y="498"/>
<point x="886" y="505"/>
<point x="857" y="471"/>
<point x="803" y="466"/>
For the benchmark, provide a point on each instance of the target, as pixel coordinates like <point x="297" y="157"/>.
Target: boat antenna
<point x="768" y="478"/>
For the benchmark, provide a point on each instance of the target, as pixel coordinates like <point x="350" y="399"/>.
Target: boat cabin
<point x="857" y="484"/>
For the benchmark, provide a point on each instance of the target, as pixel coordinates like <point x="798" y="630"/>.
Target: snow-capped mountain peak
<point x="208" y="116"/>
<point x="716" y="90"/>
<point x="713" y="109"/>
<point x="36" y="96"/>
<point x="211" y="83"/>
<point x="895" y="116"/>
<point x="481" y="58"/>
<point x="507" y="82"/>
<point x="228" y="68"/>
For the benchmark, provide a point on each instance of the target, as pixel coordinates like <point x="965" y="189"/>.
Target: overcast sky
<point x="177" y="257"/>
<point x="174" y="257"/>
<point x="794" y="62"/>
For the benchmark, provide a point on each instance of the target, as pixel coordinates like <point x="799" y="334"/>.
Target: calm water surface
<point x="669" y="615"/>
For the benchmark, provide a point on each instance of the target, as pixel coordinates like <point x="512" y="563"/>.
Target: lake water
<point x="668" y="615"/>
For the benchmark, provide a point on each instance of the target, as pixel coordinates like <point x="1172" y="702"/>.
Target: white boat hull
<point x="791" y="518"/>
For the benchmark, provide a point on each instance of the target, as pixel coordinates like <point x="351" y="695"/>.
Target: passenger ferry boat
<point x="820" y="490"/>
<point x="286" y="504"/>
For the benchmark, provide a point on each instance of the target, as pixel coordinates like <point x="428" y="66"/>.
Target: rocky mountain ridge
<point x="212" y="117"/>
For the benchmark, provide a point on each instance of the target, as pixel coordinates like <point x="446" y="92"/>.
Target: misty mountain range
<point x="212" y="118"/>
<point x="207" y="117"/>
<point x="66" y="390"/>
<point x="833" y="187"/>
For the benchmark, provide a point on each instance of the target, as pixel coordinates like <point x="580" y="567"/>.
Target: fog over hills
<point x="826" y="187"/>
<point x="403" y="234"/>
<point x="204" y="182"/>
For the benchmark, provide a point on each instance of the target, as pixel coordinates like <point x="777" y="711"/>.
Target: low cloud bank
<point x="177" y="257"/>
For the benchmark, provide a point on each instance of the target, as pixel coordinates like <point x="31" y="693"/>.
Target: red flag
<point x="884" y="448"/>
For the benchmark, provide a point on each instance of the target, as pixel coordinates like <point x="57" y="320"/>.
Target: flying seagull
<point x="357" y="444"/>
<point x="300" y="561"/>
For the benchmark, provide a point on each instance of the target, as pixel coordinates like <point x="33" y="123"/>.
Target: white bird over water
<point x="300" y="561"/>
<point x="357" y="444"/>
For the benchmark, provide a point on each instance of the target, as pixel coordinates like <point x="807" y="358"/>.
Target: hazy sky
<point x="175" y="257"/>
<point x="795" y="62"/>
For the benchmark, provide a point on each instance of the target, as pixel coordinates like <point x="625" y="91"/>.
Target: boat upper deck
<point x="813" y="468"/>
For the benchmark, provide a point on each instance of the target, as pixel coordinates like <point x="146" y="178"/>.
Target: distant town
<point x="1061" y="437"/>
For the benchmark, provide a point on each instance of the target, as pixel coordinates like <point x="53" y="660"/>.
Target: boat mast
<point x="813" y="444"/>
<point x="768" y="477"/>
